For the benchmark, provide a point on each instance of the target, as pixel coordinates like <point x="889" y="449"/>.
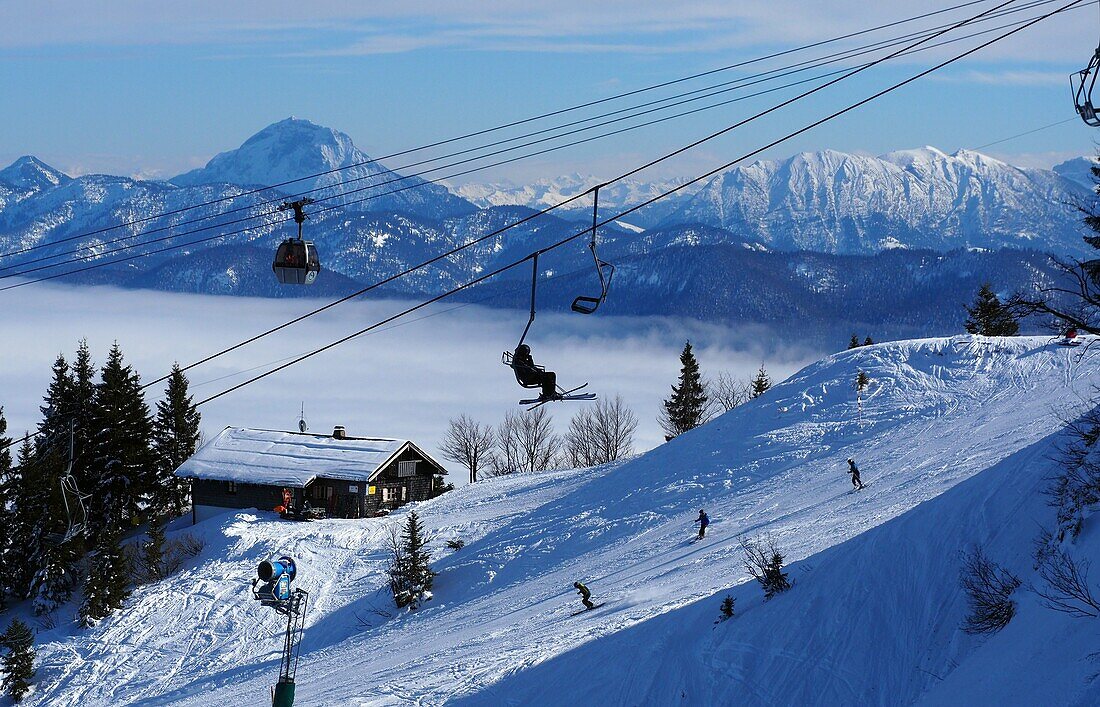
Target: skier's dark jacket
<point x="583" y="590"/>
<point x="703" y="519"/>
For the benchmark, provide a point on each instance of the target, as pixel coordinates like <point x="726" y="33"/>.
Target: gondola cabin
<point x="347" y="477"/>
<point x="296" y="262"/>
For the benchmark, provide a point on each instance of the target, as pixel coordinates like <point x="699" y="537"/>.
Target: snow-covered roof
<point x="291" y="459"/>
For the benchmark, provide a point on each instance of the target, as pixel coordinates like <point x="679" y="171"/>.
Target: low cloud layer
<point x="406" y="381"/>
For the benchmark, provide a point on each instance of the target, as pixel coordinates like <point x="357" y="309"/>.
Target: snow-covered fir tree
<point x="988" y="316"/>
<point x="54" y="583"/>
<point x="7" y="480"/>
<point x="82" y="402"/>
<point x="152" y="549"/>
<point x="175" y="437"/>
<point x="107" y="579"/>
<point x="33" y="515"/>
<point x="18" y="660"/>
<point x="122" y="477"/>
<point x="686" y="408"/>
<point x="411" y="575"/>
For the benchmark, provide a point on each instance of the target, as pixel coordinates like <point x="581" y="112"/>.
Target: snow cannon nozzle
<point x="270" y="570"/>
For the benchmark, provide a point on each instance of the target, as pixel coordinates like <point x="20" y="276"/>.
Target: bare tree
<point x="988" y="588"/>
<point x="601" y="433"/>
<point x="525" y="442"/>
<point x="1065" y="581"/>
<point x="764" y="562"/>
<point x="469" y="443"/>
<point x="726" y="392"/>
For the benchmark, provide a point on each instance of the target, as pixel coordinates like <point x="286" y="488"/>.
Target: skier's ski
<point x="567" y="395"/>
<point x="585" y="611"/>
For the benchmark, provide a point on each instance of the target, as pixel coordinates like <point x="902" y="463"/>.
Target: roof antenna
<point x="302" y="426"/>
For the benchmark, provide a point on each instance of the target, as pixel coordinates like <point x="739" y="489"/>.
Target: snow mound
<point x="937" y="412"/>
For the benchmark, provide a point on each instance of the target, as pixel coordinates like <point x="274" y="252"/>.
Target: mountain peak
<point x="289" y="149"/>
<point x="30" y="173"/>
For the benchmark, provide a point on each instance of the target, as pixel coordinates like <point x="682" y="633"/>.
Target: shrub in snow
<point x="1077" y="486"/>
<point x="765" y="563"/>
<point x="1064" y="583"/>
<point x="727" y="608"/>
<point x="455" y="544"/>
<point x="410" y="574"/>
<point x="988" y="590"/>
<point x="18" y="660"/>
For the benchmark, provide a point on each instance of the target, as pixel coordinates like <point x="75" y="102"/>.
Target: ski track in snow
<point x="498" y="631"/>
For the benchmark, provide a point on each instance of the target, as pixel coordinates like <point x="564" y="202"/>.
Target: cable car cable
<point x="651" y="200"/>
<point x="632" y="209"/>
<point x="431" y="181"/>
<point x="515" y="123"/>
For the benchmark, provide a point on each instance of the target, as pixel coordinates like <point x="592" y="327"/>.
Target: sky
<point x="406" y="381"/>
<point x="153" y="89"/>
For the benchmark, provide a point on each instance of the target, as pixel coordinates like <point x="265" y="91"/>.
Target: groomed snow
<point x="963" y="423"/>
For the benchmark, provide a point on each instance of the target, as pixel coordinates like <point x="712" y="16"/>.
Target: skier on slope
<point x="854" y="471"/>
<point x="703" y="522"/>
<point x="586" y="596"/>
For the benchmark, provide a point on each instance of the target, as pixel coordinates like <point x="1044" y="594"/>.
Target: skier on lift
<point x="530" y="374"/>
<point x="854" y="471"/>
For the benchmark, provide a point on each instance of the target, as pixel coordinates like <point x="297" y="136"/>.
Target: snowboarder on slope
<point x="703" y="522"/>
<point x="854" y="471"/>
<point x="586" y="596"/>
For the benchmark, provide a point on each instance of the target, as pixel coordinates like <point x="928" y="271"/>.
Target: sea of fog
<point x="405" y="380"/>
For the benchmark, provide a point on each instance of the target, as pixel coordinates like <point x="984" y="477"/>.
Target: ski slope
<point x="959" y="431"/>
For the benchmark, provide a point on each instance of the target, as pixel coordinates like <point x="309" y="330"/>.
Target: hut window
<point x="231" y="487"/>
<point x="406" y="469"/>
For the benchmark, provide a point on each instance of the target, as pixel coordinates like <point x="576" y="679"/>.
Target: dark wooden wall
<point x="206" y="492"/>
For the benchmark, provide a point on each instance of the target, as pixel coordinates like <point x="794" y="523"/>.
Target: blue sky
<point x="153" y="89"/>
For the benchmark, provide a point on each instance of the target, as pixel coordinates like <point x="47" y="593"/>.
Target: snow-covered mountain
<point x="294" y="148"/>
<point x="836" y="202"/>
<point x="553" y="190"/>
<point x="956" y="439"/>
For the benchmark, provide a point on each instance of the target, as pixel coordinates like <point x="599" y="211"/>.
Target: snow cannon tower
<point x="271" y="587"/>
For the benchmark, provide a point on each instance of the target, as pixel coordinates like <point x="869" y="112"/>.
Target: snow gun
<point x="271" y="587"/>
<point x="276" y="576"/>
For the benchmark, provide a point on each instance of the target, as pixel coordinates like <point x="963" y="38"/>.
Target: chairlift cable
<point x="651" y="200"/>
<point x="504" y="126"/>
<point x="742" y="82"/>
<point x="347" y="203"/>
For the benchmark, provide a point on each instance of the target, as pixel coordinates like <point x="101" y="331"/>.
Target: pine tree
<point x="854" y="343"/>
<point x="868" y="342"/>
<point x="83" y="416"/>
<point x="24" y="533"/>
<point x="862" y="382"/>
<point x="152" y="550"/>
<point x="988" y="317"/>
<point x="686" y="408"/>
<point x="54" y="583"/>
<point x="123" y="469"/>
<point x="411" y="575"/>
<point x="106" y="583"/>
<point x="727" y="608"/>
<point x="18" y="660"/>
<point x="761" y="382"/>
<point x="176" y="435"/>
<point x="53" y="432"/>
<point x="7" y="480"/>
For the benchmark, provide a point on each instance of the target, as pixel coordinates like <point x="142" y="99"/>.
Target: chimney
<point x="339" y="433"/>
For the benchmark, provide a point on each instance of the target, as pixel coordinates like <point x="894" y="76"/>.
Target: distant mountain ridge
<point x="824" y="202"/>
<point x="835" y="202"/>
